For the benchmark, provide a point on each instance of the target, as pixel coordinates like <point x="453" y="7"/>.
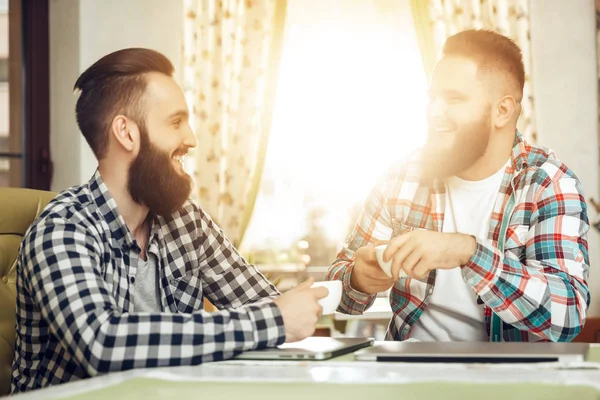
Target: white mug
<point x="332" y="301"/>
<point x="385" y="266"/>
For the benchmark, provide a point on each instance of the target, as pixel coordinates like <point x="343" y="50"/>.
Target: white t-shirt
<point x="453" y="313"/>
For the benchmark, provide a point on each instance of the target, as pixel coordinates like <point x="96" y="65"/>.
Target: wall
<point x="82" y="31"/>
<point x="64" y="69"/>
<point x="565" y="83"/>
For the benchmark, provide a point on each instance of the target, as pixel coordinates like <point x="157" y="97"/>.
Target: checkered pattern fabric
<point x="537" y="285"/>
<point x="75" y="278"/>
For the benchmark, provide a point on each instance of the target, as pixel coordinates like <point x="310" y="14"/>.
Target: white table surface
<point x="340" y="373"/>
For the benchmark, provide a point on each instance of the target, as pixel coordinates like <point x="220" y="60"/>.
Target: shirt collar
<point x="520" y="153"/>
<point x="107" y="207"/>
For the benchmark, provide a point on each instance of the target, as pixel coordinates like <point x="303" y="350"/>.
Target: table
<point x="341" y="378"/>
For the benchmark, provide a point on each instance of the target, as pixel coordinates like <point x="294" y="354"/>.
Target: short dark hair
<point x="491" y="51"/>
<point x="113" y="85"/>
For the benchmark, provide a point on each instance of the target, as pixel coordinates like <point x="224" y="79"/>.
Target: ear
<point x="505" y="112"/>
<point x="126" y="133"/>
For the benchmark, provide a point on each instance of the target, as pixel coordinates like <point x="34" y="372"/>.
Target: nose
<point x="189" y="139"/>
<point x="436" y="108"/>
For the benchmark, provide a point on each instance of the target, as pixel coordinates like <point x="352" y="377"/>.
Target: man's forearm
<point x="523" y="294"/>
<point x="121" y="342"/>
<point x="466" y="249"/>
<point x="353" y="301"/>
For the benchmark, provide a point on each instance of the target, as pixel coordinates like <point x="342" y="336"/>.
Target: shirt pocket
<point x="187" y="292"/>
<point x="400" y="227"/>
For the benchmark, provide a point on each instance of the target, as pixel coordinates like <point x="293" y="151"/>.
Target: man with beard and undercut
<point x="113" y="274"/>
<point x="486" y="233"/>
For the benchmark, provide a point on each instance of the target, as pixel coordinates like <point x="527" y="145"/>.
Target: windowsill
<point x="290" y="268"/>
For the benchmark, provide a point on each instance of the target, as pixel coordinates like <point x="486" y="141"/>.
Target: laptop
<point x="311" y="348"/>
<point x="474" y="352"/>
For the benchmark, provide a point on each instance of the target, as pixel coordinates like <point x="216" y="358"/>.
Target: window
<point x="350" y="101"/>
<point x="24" y="94"/>
<point x="5" y="144"/>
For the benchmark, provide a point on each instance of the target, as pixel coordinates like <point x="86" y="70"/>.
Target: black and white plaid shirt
<point x="75" y="278"/>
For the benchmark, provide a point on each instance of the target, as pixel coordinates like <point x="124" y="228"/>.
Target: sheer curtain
<point x="231" y="52"/>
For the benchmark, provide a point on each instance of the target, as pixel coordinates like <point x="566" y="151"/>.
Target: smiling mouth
<point x="441" y="127"/>
<point x="178" y="158"/>
<point x="441" y="131"/>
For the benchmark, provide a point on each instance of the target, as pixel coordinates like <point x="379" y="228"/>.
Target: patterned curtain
<point x="436" y="20"/>
<point x="231" y="52"/>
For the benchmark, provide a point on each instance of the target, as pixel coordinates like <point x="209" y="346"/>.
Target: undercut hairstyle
<point x="492" y="52"/>
<point x="115" y="85"/>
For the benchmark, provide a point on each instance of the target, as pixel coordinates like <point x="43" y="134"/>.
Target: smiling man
<point x="113" y="274"/>
<point x="489" y="230"/>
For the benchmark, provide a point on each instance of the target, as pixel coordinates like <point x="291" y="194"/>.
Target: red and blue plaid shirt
<point x="537" y="285"/>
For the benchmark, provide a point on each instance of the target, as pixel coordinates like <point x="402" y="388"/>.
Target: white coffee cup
<point x="385" y="266"/>
<point x="332" y="301"/>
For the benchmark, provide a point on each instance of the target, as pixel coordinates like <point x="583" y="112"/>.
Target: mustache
<point x="182" y="151"/>
<point x="435" y="124"/>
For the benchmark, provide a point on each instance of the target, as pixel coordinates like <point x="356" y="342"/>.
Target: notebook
<point x="474" y="352"/>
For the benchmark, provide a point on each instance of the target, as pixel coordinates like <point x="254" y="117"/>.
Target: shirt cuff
<point x="364" y="299"/>
<point x="269" y="330"/>
<point x="480" y="270"/>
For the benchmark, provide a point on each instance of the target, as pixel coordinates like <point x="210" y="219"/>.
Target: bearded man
<point x="113" y="274"/>
<point x="486" y="232"/>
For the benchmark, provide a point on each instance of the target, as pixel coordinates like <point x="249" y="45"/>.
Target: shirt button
<point x="430" y="290"/>
<point x="132" y="279"/>
<point x="5" y="279"/>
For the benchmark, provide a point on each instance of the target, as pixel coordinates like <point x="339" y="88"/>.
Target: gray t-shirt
<point x="146" y="297"/>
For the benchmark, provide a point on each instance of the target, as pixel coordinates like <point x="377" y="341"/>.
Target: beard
<point x="469" y="144"/>
<point x="153" y="180"/>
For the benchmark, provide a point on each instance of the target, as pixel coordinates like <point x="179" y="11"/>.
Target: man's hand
<point x="301" y="310"/>
<point x="420" y="251"/>
<point x="367" y="277"/>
